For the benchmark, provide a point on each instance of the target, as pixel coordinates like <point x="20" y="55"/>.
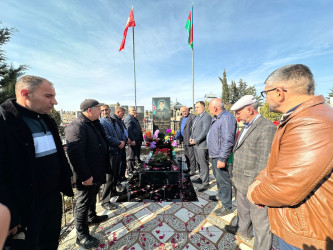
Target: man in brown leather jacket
<point x="297" y="182"/>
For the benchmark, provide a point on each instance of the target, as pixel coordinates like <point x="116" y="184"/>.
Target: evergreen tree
<point x="233" y="92"/>
<point x="56" y="116"/>
<point x="8" y="74"/>
<point x="272" y="116"/>
<point x="330" y="94"/>
<point x="225" y="88"/>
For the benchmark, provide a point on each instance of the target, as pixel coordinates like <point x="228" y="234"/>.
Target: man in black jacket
<point x="185" y="126"/>
<point x="87" y="149"/>
<point x="33" y="166"/>
<point x="135" y="135"/>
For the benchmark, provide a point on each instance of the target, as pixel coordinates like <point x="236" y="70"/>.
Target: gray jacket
<point x="221" y="136"/>
<point x="252" y="152"/>
<point x="200" y="129"/>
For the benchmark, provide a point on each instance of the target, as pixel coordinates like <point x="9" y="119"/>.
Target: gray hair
<point x="218" y="102"/>
<point x="30" y="83"/>
<point x="297" y="76"/>
<point x="255" y="105"/>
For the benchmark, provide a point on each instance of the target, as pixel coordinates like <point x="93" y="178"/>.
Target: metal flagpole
<point x="134" y="67"/>
<point x="192" y="62"/>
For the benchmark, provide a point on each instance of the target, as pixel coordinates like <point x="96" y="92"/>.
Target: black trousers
<point x="190" y="158"/>
<point x="109" y="187"/>
<point x="85" y="208"/>
<point x="44" y="228"/>
<point x="138" y="150"/>
<point x="122" y="164"/>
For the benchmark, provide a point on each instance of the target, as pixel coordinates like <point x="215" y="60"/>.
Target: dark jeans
<point x="44" y="230"/>
<point x="223" y="181"/>
<point x="85" y="207"/>
<point x="201" y="157"/>
<point x="109" y="187"/>
<point x="190" y="158"/>
<point x="122" y="164"/>
<point x="285" y="246"/>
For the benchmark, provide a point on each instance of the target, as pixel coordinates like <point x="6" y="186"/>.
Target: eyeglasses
<point x="264" y="93"/>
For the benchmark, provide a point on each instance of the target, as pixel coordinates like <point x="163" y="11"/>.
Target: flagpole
<point x="134" y="67"/>
<point x="192" y="63"/>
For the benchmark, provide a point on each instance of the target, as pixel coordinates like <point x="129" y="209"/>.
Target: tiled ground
<point x="165" y="225"/>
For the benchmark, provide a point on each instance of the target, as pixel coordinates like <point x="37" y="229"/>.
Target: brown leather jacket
<point x="297" y="183"/>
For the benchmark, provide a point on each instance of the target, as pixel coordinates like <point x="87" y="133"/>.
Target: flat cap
<point x="244" y="101"/>
<point x="89" y="103"/>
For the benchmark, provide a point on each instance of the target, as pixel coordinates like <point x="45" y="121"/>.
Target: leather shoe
<point x="98" y="219"/>
<point x="212" y="198"/>
<point x="203" y="187"/>
<point x="197" y="181"/>
<point x="110" y="206"/>
<point x="88" y="242"/>
<point x="233" y="230"/>
<point x="222" y="211"/>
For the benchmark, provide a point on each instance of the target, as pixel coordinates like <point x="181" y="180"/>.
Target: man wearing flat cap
<point x="251" y="152"/>
<point x="87" y="149"/>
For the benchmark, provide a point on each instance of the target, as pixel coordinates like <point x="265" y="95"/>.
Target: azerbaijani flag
<point x="189" y="27"/>
<point x="154" y="108"/>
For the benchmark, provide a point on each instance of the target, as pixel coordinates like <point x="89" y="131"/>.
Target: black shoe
<point x="110" y="206"/>
<point x="203" y="187"/>
<point x="98" y="219"/>
<point x="197" y="181"/>
<point x="222" y="211"/>
<point x="231" y="229"/>
<point x="213" y="198"/>
<point x="88" y="242"/>
<point x="186" y="171"/>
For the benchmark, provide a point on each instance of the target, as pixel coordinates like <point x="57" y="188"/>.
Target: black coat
<point x="87" y="150"/>
<point x="133" y="128"/>
<point x="17" y="157"/>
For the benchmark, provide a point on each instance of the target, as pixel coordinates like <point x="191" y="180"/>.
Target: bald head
<point x="184" y="111"/>
<point x="216" y="106"/>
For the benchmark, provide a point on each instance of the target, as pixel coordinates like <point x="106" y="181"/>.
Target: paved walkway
<point x="165" y="225"/>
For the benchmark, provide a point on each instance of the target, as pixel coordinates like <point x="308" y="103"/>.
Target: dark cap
<point x="89" y="103"/>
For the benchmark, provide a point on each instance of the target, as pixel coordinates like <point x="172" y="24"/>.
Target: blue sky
<point x="75" y="43"/>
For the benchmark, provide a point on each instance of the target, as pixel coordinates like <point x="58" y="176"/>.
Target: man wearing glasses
<point x="297" y="182"/>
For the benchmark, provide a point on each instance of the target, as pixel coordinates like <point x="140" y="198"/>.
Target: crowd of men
<point x="282" y="175"/>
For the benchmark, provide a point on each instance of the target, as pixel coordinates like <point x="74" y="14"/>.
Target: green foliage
<point x="272" y="116"/>
<point x="8" y="74"/>
<point x="56" y="116"/>
<point x="330" y="94"/>
<point x="233" y="92"/>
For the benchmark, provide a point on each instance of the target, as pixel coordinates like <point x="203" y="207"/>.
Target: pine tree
<point x="330" y="94"/>
<point x="225" y="88"/>
<point x="8" y="74"/>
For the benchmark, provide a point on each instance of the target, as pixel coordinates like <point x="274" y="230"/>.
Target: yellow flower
<point x="166" y="138"/>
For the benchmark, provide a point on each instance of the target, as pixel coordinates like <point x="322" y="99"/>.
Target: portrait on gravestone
<point x="161" y="113"/>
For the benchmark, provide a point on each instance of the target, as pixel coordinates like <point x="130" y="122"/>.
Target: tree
<point x="233" y="93"/>
<point x="272" y="116"/>
<point x="330" y="94"/>
<point x="225" y="88"/>
<point x="56" y="116"/>
<point x="8" y="74"/>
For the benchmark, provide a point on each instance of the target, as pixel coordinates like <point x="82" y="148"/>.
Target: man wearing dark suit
<point x="199" y="132"/>
<point x="135" y="135"/>
<point x="185" y="125"/>
<point x="251" y="153"/>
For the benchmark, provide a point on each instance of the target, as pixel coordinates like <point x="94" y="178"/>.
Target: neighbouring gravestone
<point x="161" y="113"/>
<point x="141" y="114"/>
